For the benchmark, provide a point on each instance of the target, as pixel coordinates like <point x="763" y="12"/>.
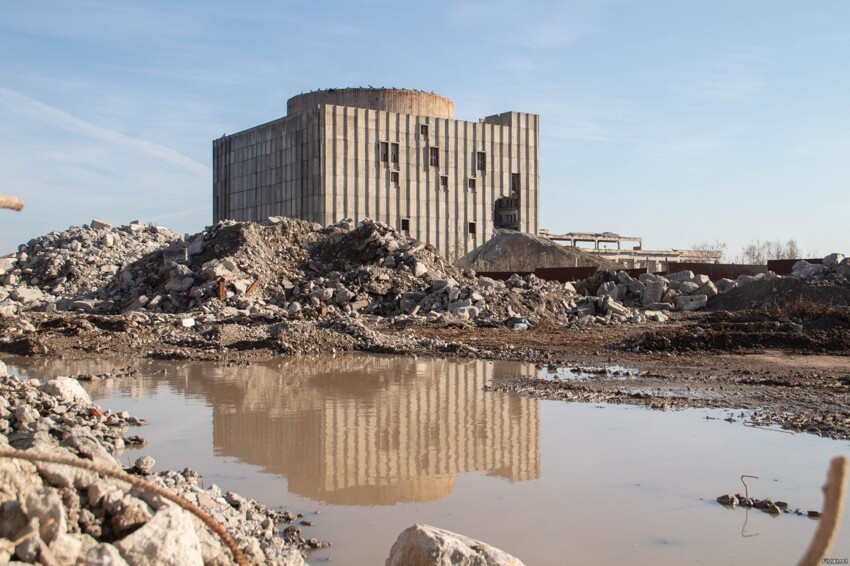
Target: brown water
<point x="377" y="443"/>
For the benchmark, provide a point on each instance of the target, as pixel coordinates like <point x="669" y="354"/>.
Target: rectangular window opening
<point x="384" y="151"/>
<point x="394" y="153"/>
<point x="394" y="178"/>
<point x="515" y="182"/>
<point x="405" y="224"/>
<point x="481" y="161"/>
<point x="423" y="130"/>
<point x="471" y="227"/>
<point x="470" y="183"/>
<point x="444" y="182"/>
<point x="434" y="156"/>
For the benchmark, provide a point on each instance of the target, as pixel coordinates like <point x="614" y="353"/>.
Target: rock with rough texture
<point x="67" y="389"/>
<point x="833" y="260"/>
<point x="653" y="291"/>
<point x="104" y="554"/>
<point x="46" y="506"/>
<point x="804" y="269"/>
<point x="691" y="302"/>
<point x="424" y="545"/>
<point x="167" y="539"/>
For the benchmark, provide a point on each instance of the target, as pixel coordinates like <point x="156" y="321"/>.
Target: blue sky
<point x="677" y="121"/>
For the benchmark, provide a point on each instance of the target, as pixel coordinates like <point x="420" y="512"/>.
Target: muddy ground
<point x="788" y="367"/>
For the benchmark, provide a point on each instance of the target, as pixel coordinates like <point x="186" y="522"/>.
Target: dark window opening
<point x="482" y="161"/>
<point x="394" y="153"/>
<point x="434" y="156"/>
<point x="423" y="130"/>
<point x="515" y="182"/>
<point x="471" y="228"/>
<point x="394" y="178"/>
<point x="471" y="183"/>
<point x="384" y="151"/>
<point x="444" y="182"/>
<point x="405" y="224"/>
<point x="506" y="213"/>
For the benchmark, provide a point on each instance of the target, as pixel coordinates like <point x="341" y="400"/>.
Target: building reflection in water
<point x="362" y="430"/>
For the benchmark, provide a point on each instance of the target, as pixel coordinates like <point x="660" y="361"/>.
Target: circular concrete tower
<point x="399" y="100"/>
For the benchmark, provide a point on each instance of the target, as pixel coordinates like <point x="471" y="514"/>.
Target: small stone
<point x="144" y="465"/>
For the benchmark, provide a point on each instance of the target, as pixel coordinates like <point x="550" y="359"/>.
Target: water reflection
<point x="356" y="429"/>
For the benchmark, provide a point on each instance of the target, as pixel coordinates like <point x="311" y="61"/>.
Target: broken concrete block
<point x="724" y="285"/>
<point x="99" y="225"/>
<point x="803" y="270"/>
<point x="467" y="312"/>
<point x="670" y="296"/>
<point x="624" y="277"/>
<point x="85" y="305"/>
<point x="709" y="290"/>
<point x="662" y="306"/>
<point x="653" y="291"/>
<point x="609" y="288"/>
<point x="585" y="308"/>
<point x="686" y="275"/>
<point x="833" y="260"/>
<point x="609" y="305"/>
<point x="656" y="316"/>
<point x="419" y="269"/>
<point x="453" y="307"/>
<point x="688" y="287"/>
<point x="7" y="264"/>
<point x="691" y="302"/>
<point x="636" y="287"/>
<point x="700" y="280"/>
<point x="422" y="545"/>
<point x="440" y="283"/>
<point x="27" y="295"/>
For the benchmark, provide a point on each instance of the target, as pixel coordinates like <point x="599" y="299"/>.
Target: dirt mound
<point x="519" y="252"/>
<point x="830" y="290"/>
<point x="801" y="327"/>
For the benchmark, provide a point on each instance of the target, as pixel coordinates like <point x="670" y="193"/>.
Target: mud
<point x="782" y="367"/>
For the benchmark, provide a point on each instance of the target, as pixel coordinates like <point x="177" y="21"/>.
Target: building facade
<point x="393" y="155"/>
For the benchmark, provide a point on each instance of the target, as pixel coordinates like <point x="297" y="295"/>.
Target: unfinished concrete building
<point x="393" y="155"/>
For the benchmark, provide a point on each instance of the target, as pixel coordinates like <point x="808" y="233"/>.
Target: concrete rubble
<point x="424" y="545"/>
<point x="291" y="269"/>
<point x="84" y="517"/>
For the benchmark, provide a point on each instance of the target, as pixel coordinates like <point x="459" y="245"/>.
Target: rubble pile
<point x="62" y="268"/>
<point x="79" y="516"/>
<point x="291" y="269"/>
<point x="827" y="283"/>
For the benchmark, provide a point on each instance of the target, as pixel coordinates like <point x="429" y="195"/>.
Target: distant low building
<point x="394" y="155"/>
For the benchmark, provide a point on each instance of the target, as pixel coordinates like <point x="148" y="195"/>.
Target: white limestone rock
<point x="169" y="539"/>
<point x="67" y="389"/>
<point x="424" y="545"/>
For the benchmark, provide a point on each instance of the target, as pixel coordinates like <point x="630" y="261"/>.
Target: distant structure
<point x="636" y="257"/>
<point x="393" y="155"/>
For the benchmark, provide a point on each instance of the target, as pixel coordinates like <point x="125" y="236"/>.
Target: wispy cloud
<point x="45" y="112"/>
<point x="521" y="24"/>
<point x="736" y="79"/>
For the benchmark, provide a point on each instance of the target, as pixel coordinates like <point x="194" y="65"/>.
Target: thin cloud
<point x="58" y="117"/>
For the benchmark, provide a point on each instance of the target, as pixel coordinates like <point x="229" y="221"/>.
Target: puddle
<point x="579" y="373"/>
<point x="377" y="443"/>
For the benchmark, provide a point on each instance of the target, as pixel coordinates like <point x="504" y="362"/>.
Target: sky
<point x="679" y="122"/>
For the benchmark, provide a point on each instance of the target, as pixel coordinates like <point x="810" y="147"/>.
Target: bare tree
<point x="759" y="253"/>
<point x="715" y="246"/>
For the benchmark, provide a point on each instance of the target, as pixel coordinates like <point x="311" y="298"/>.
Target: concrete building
<point x="397" y="156"/>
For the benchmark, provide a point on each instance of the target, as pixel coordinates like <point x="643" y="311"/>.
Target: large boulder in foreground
<point x="424" y="545"/>
<point x="519" y="252"/>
